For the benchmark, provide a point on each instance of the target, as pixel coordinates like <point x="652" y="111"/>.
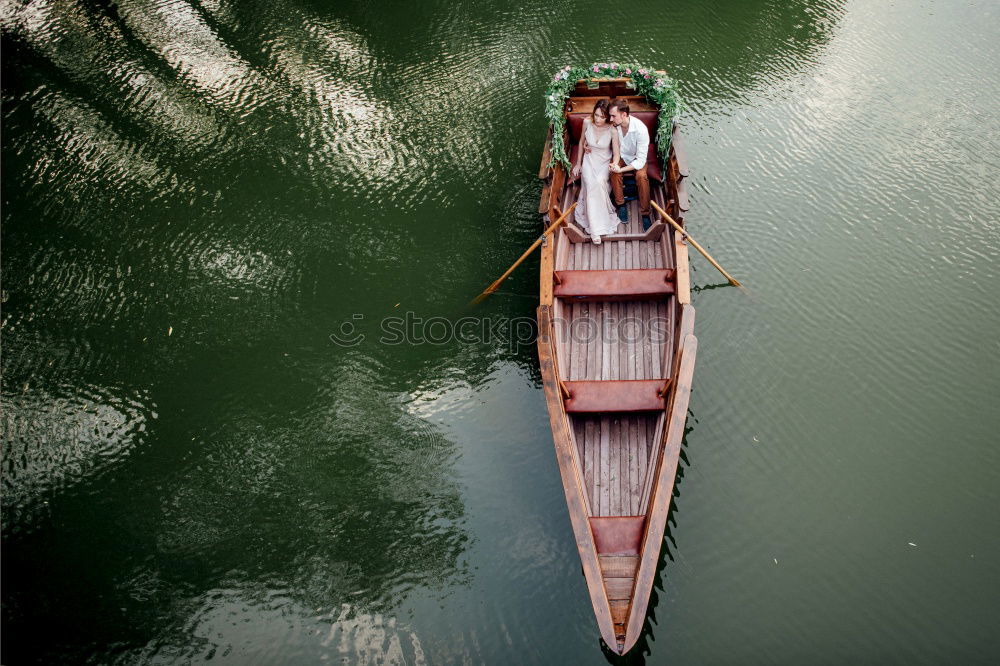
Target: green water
<point x="196" y="195"/>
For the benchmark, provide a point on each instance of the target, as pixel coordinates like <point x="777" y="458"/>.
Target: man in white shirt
<point x="634" y="146"/>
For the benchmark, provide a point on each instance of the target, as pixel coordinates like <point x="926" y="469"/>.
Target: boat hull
<point x="617" y="350"/>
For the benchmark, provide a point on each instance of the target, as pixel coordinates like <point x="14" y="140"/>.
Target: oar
<point x="493" y="287"/>
<point x="733" y="281"/>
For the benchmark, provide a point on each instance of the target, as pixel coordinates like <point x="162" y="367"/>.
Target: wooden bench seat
<point x="614" y="285"/>
<point x="627" y="395"/>
<point x="617" y="535"/>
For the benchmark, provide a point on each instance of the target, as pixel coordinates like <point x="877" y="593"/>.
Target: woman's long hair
<point x="602" y="104"/>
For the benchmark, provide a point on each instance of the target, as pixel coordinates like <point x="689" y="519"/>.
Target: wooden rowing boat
<point x="617" y="351"/>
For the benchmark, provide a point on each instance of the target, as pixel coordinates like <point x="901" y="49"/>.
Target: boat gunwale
<point x="569" y="472"/>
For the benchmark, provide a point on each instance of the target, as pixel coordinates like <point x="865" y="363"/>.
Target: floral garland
<point x="658" y="89"/>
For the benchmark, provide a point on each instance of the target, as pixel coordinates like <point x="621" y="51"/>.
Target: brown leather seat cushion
<point x="573" y="149"/>
<point x="574" y="127"/>
<point x="614" y="285"/>
<point x="617" y="535"/>
<point x="653" y="169"/>
<point x="574" y="123"/>
<point x="627" y="395"/>
<point x="574" y="130"/>
<point x="651" y="120"/>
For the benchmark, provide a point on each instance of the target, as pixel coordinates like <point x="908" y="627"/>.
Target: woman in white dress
<point x="597" y="152"/>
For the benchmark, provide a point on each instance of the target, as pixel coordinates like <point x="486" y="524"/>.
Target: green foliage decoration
<point x="658" y="89"/>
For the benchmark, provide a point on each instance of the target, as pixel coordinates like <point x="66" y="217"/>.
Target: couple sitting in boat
<point x="614" y="145"/>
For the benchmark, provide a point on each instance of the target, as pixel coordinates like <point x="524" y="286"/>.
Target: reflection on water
<point x="231" y="625"/>
<point x="176" y="32"/>
<point x="51" y="442"/>
<point x="197" y="194"/>
<point x="332" y="517"/>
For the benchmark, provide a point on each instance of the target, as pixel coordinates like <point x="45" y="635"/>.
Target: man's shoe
<point x="646" y="223"/>
<point x="623" y="213"/>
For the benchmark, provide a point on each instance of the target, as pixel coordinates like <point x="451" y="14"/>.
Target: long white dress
<point x="594" y="210"/>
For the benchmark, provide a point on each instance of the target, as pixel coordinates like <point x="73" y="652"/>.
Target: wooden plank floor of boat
<point x="616" y="450"/>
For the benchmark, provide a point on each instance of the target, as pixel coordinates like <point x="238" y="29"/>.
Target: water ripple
<point x="54" y="440"/>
